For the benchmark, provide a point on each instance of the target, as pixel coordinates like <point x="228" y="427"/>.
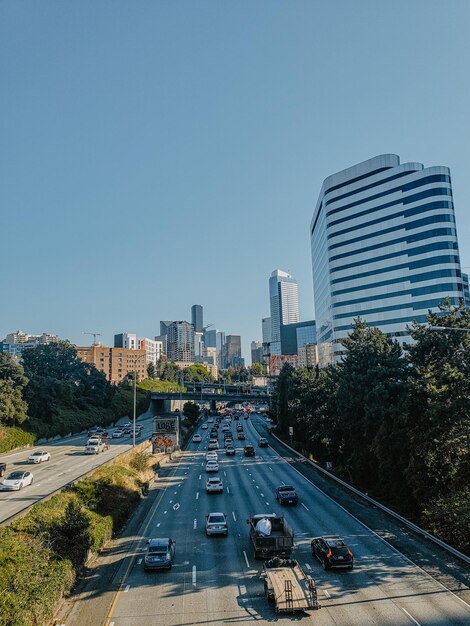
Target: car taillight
<point x="328" y="554"/>
<point x="349" y="552"/>
<point x="167" y="557"/>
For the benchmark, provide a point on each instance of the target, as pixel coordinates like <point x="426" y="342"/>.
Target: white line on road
<point x="228" y="489"/>
<point x="171" y="501"/>
<point x="282" y="483"/>
<point x="195" y="523"/>
<point x="257" y="487"/>
<point x="270" y="468"/>
<point x="327" y="593"/>
<point x="127" y="588"/>
<point x="176" y="506"/>
<point x="165" y="512"/>
<point x="139" y="561"/>
<point x="194" y="575"/>
<point x="267" y="503"/>
<point x="410" y="616"/>
<point x="200" y="476"/>
<point x="225" y="473"/>
<point x="197" y="495"/>
<point x="246" y="559"/>
<point x="234" y="517"/>
<point x="158" y="524"/>
<point x="305" y="507"/>
<point x="308" y="566"/>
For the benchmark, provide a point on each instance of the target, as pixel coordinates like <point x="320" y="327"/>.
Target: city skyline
<point x="102" y="168"/>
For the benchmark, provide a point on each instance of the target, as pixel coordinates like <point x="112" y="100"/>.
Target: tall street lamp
<point x="135" y="402"/>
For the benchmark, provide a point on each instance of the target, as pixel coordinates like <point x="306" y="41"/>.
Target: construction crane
<point x="204" y="328"/>
<point x="95" y="335"/>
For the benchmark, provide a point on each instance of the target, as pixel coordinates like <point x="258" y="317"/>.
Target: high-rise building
<point x="153" y="348"/>
<point x="198" y="344"/>
<point x="284" y="303"/>
<point x="307" y="355"/>
<point x="180" y="342"/>
<point x="257" y="355"/>
<point x="266" y="335"/>
<point x="294" y="336"/>
<point x="384" y="247"/>
<point x="197" y="318"/>
<point x="215" y="339"/>
<point x="466" y="289"/>
<point x="232" y="351"/>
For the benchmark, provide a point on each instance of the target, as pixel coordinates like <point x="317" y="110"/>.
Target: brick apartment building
<point x="115" y="363"/>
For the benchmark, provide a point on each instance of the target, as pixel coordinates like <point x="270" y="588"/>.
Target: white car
<point x="39" y="456"/>
<point x="94" y="446"/>
<point x="212" y="456"/>
<point x="117" y="434"/>
<point x="213" y="444"/>
<point x="197" y="438"/>
<point x="204" y="427"/>
<point x="214" y="485"/>
<point x="210" y="420"/>
<point x="216" y="524"/>
<point x="212" y="466"/>
<point x="16" y="481"/>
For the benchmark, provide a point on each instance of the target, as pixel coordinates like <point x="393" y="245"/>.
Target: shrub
<point x="11" y="438"/>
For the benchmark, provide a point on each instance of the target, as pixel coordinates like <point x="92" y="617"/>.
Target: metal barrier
<point x="380" y="506"/>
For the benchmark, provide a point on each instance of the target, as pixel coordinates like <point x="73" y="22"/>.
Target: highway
<point x="217" y="581"/>
<point x="67" y="463"/>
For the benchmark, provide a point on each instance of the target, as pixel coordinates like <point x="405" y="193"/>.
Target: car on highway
<point x="3" y="468"/>
<point x="286" y="494"/>
<point x="197" y="438"/>
<point x="332" y="552"/>
<point x="239" y="428"/>
<point x="117" y="434"/>
<point x="212" y="456"/>
<point x="16" y="481"/>
<point x="216" y="524"/>
<point x="213" y="444"/>
<point x="263" y="443"/>
<point x="127" y="429"/>
<point x="92" y="431"/>
<point x="249" y="450"/>
<point x="160" y="553"/>
<point x="210" y="420"/>
<point x="39" y="456"/>
<point x="204" y="427"/>
<point x="212" y="466"/>
<point x="241" y="436"/>
<point x="230" y="451"/>
<point x="214" y="485"/>
<point x="94" y="445"/>
<point x="101" y="432"/>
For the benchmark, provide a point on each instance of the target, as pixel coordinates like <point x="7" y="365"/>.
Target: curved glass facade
<point x="373" y="257"/>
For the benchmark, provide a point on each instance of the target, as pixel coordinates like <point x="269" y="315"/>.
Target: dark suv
<point x="286" y="494"/>
<point x="249" y="451"/>
<point x="332" y="552"/>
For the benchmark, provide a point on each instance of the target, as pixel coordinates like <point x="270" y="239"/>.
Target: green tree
<point x="283" y="393"/>
<point x="151" y="370"/>
<point x="13" y="409"/>
<point x="191" y="411"/>
<point x="257" y="369"/>
<point x="71" y="536"/>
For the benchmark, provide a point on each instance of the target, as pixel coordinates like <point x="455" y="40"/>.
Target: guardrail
<point x="380" y="506"/>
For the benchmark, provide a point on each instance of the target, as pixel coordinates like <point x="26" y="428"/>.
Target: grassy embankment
<point x="42" y="554"/>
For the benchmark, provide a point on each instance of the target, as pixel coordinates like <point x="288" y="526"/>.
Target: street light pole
<point x="135" y="403"/>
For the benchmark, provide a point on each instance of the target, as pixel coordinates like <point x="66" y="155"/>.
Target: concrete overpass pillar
<point x="213" y="407"/>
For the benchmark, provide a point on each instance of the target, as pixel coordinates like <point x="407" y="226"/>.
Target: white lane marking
<point x="262" y="495"/>
<point x="127" y="588"/>
<point x="257" y="487"/>
<point x="308" y="566"/>
<point x="175" y="493"/>
<point x="197" y="495"/>
<point x="158" y="524"/>
<point x="195" y="523"/>
<point x="327" y="593"/>
<point x="228" y="489"/>
<point x="194" y="575"/>
<point x="282" y="483"/>
<point x="246" y="559"/>
<point x="234" y="517"/>
<point x="270" y="468"/>
<point x="200" y="476"/>
<point x="171" y="501"/>
<point x="267" y="503"/>
<point x="139" y="561"/>
<point x="410" y="616"/>
<point x="305" y="507"/>
<point x="225" y="473"/>
<point x="165" y="512"/>
<point x="176" y="506"/>
<point x="111" y="623"/>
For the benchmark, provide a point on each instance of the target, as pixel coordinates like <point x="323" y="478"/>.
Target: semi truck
<point x="279" y="541"/>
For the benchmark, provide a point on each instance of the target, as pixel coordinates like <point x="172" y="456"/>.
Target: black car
<point x="249" y="451"/>
<point x="332" y="552"/>
<point x="230" y="451"/>
<point x="263" y="443"/>
<point x="241" y="436"/>
<point x="286" y="494"/>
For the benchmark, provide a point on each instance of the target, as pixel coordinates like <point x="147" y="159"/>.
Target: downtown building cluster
<point x="384" y="248"/>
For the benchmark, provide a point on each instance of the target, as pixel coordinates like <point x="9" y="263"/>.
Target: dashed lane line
<point x="195" y="524"/>
<point x="194" y="575"/>
<point x="126" y="588"/>
<point x="234" y="516"/>
<point x="139" y="561"/>
<point x="197" y="495"/>
<point x="246" y="559"/>
<point x="305" y="507"/>
<point x="410" y="616"/>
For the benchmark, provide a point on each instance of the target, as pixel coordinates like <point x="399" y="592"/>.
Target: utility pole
<point x="135" y="402"/>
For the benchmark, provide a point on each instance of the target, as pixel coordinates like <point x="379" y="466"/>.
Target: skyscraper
<point x="284" y="303"/>
<point x="256" y="352"/>
<point x="233" y="351"/>
<point x="384" y="247"/>
<point x="197" y="318"/>
<point x="180" y="342"/>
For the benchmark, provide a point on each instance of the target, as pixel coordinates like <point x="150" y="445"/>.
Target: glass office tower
<point x="384" y="247"/>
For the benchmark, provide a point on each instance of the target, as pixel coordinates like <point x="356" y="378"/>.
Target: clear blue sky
<point x="159" y="154"/>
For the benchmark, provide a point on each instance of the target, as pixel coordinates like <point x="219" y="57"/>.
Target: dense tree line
<point x="53" y="392"/>
<point x="392" y="421"/>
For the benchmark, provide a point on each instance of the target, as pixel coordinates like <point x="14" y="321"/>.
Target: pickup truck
<point x="94" y="445"/>
<point x="286" y="494"/>
<point x="280" y="540"/>
<point x="3" y="468"/>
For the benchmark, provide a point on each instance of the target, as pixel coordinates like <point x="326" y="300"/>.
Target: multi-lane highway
<point x="67" y="463"/>
<point x="217" y="581"/>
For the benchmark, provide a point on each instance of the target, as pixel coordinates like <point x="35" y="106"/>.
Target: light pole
<point x="135" y="402"/>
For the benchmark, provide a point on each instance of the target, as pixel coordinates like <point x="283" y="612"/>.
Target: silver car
<point x="160" y="553"/>
<point x="216" y="524"/>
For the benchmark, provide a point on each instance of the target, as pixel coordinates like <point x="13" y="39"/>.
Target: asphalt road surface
<point x="68" y="462"/>
<point x="215" y="580"/>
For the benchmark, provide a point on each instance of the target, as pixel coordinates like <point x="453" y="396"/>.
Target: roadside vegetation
<point x="393" y="422"/>
<point x="52" y="392"/>
<point x="43" y="553"/>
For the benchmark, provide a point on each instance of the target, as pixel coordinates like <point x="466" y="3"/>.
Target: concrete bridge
<point x="164" y="401"/>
